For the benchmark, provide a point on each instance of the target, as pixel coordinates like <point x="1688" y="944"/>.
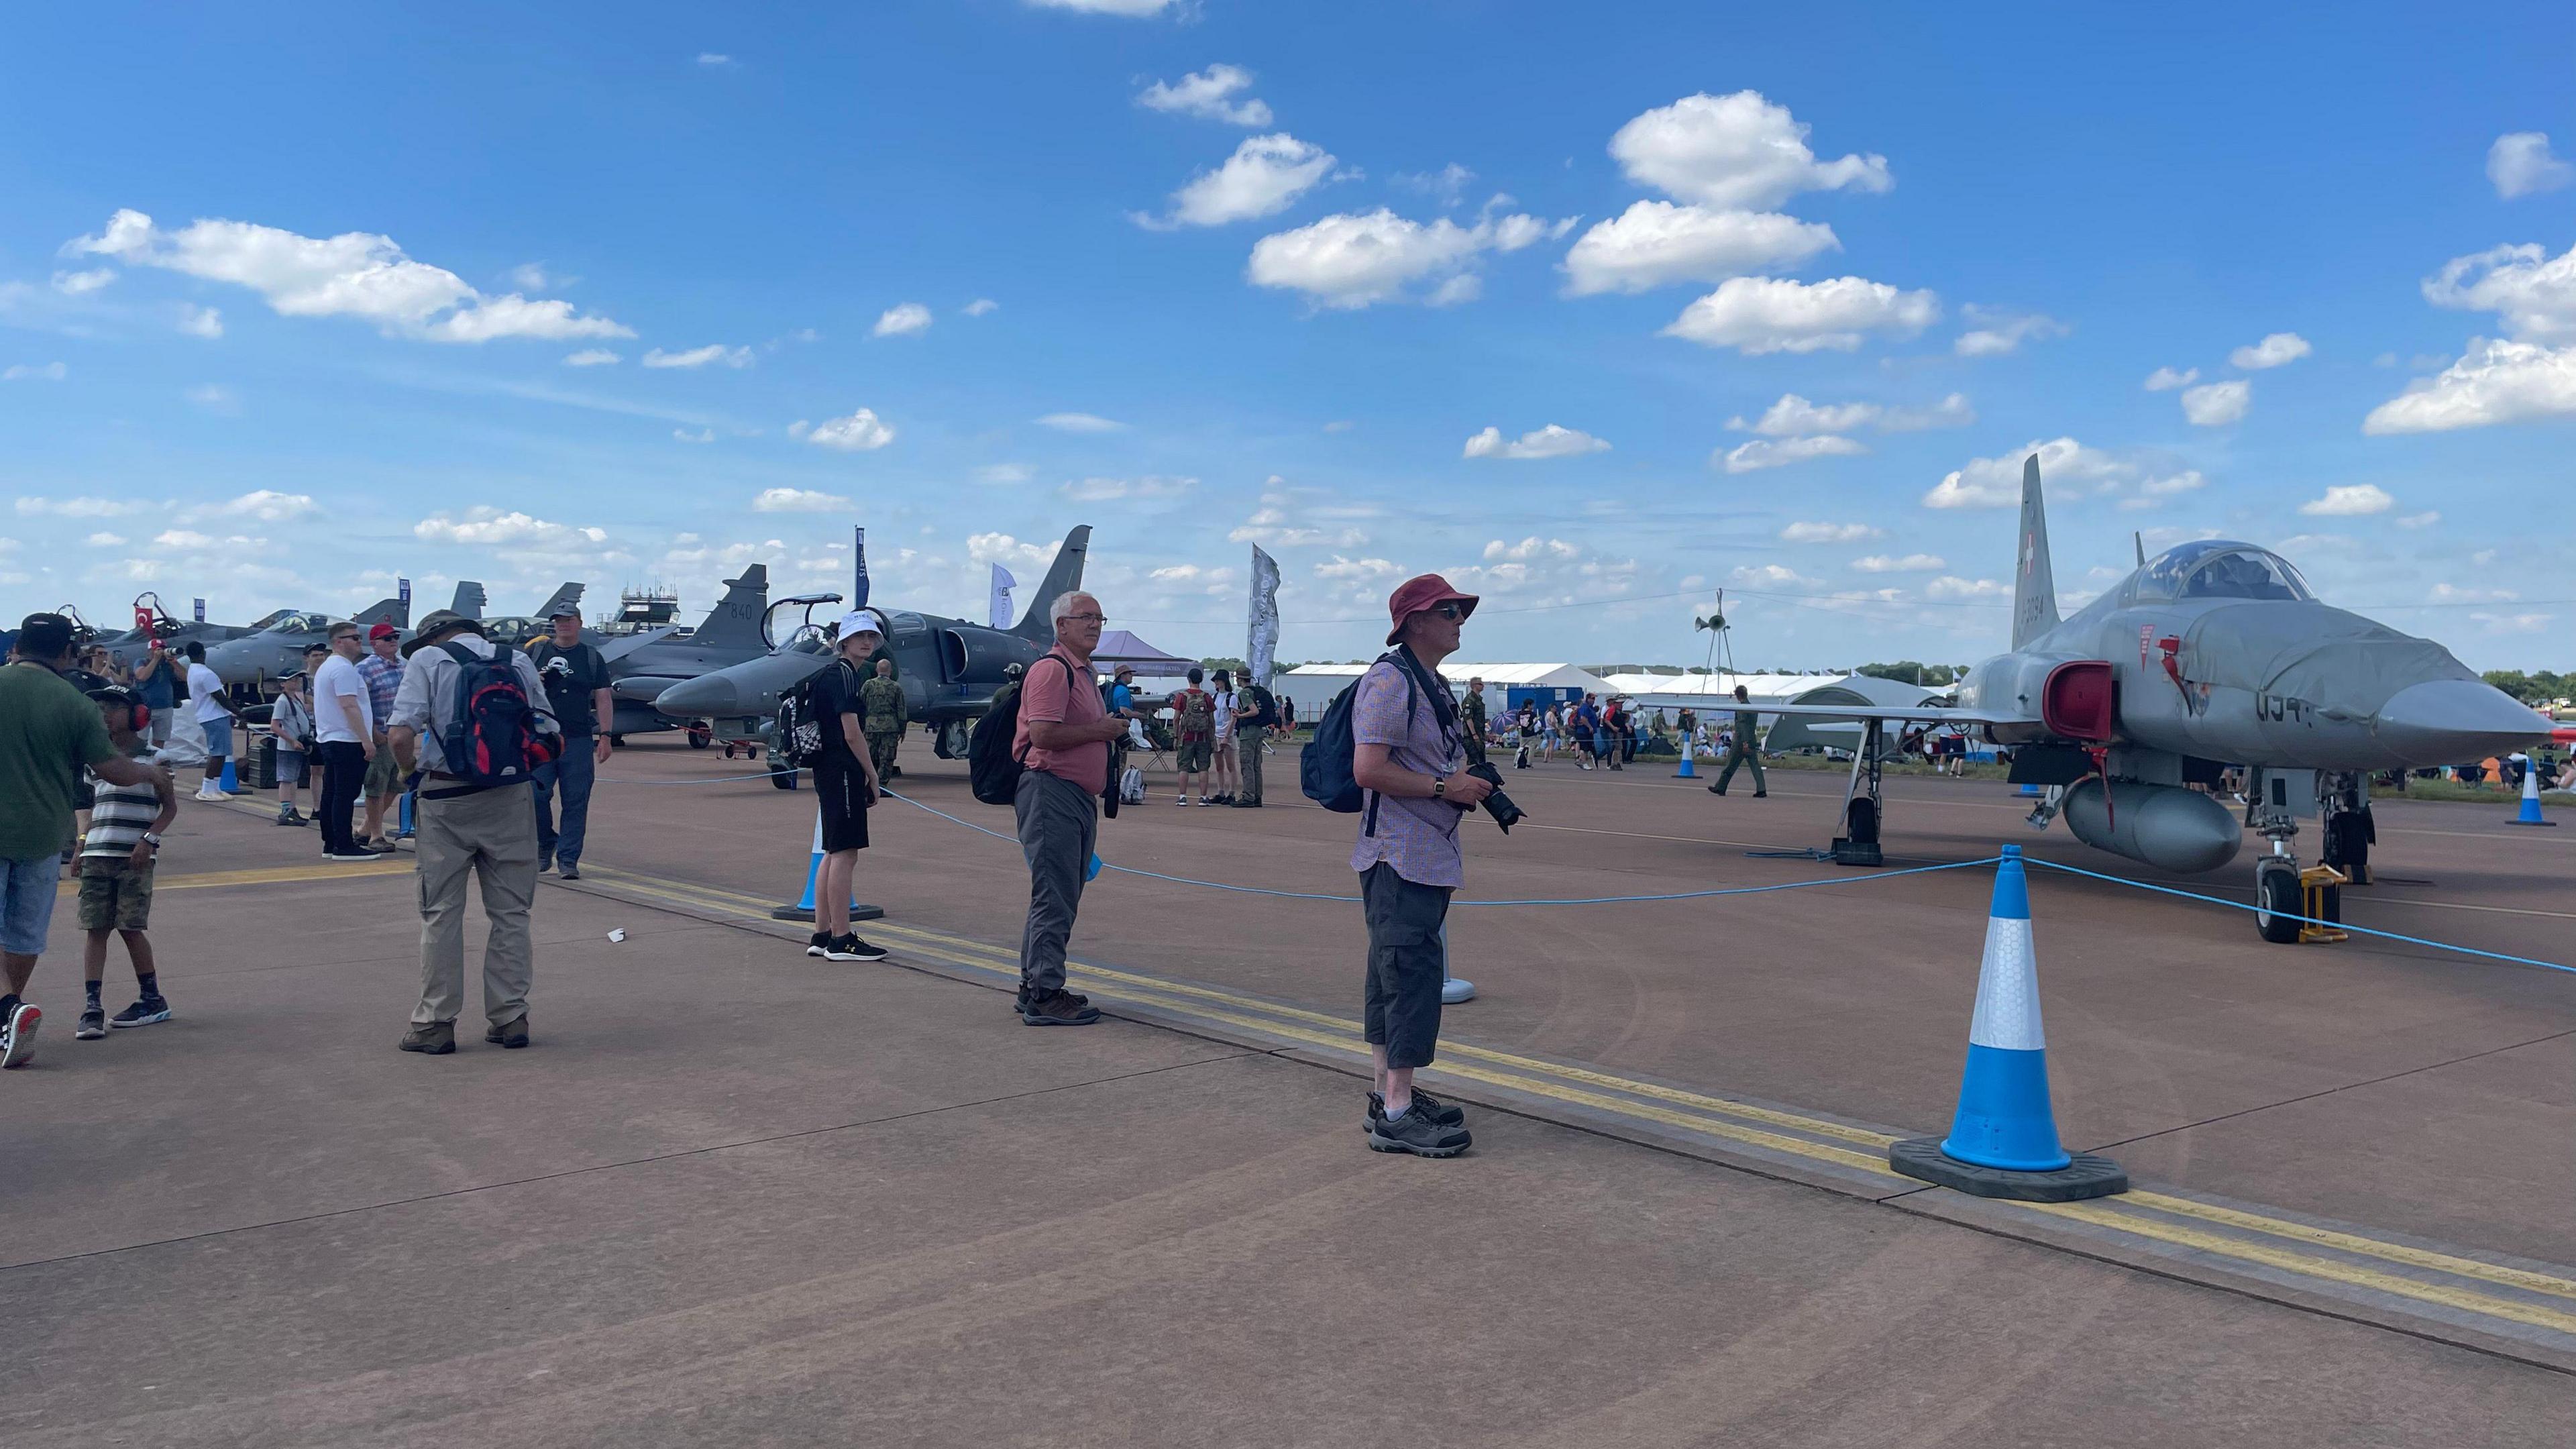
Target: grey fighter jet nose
<point x="2448" y="721"/>
<point x="705" y="697"/>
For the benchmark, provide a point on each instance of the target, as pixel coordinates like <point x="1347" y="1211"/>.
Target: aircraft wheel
<point x="780" y="775"/>
<point x="2276" y="902"/>
<point x="2347" y="846"/>
<point x="700" y="739"/>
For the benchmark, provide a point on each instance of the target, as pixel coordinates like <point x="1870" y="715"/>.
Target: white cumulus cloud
<point x="2531" y="292"/>
<point x="2347" y="500"/>
<point x="40" y="507"/>
<point x="196" y="321"/>
<point x="2520" y="164"/>
<point x="1996" y="482"/>
<point x="1346" y="261"/>
<point x="1993" y="333"/>
<point x="264" y="504"/>
<point x="2165" y="379"/>
<point x="1827" y="532"/>
<point x="700" y="356"/>
<point x="34" y="372"/>
<point x="1879" y="563"/>
<point x="1210" y="95"/>
<point x="591" y="357"/>
<point x="982" y="306"/>
<point x="1768" y="453"/>
<point x="1261" y="178"/>
<point x="1147" y="489"/>
<point x="354" y="274"/>
<point x="904" y="319"/>
<point x="1757" y="315"/>
<point x="1794" y="416"/>
<point x="2216" y="404"/>
<point x="860" y="432"/>
<point x="1656" y="242"/>
<point x="2425" y="519"/>
<point x="1080" y="423"/>
<point x="1735" y="151"/>
<point x="797" y="500"/>
<point x="73" y="284"/>
<point x="484" y="524"/>
<point x="1951" y="586"/>
<point x="2274" y="350"/>
<point x="1548" y="442"/>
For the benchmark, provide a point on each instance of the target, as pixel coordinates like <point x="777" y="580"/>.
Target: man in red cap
<point x="1408" y="749"/>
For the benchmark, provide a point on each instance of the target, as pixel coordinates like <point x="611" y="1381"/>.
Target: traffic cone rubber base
<point x="2085" y="1176"/>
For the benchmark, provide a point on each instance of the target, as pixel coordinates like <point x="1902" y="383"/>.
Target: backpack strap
<point x="1369" y="824"/>
<point x="1021" y="757"/>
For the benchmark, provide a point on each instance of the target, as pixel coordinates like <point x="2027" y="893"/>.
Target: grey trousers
<point x="1742" y="757"/>
<point x="1248" y="754"/>
<point x="493" y="834"/>
<point x="1407" y="960"/>
<point x="1059" y="826"/>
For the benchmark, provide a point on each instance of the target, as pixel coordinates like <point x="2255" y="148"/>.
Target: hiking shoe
<point x="287" y="816"/>
<point x="818" y="943"/>
<point x="1245" y="804"/>
<point x="146" y="1012"/>
<point x="1717" y="789"/>
<point x="567" y="872"/>
<point x="93" y="1024"/>
<point x="1761" y="794"/>
<point x="1425" y="1106"/>
<point x="1415" y="1133"/>
<point x="436" y="1038"/>
<point x="1059" y="1008"/>
<point x="515" y="1035"/>
<point x="379" y="847"/>
<point x="851" y="948"/>
<point x="18" y="1034"/>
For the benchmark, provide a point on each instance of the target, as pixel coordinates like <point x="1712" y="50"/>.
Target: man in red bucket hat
<point x="1408" y="750"/>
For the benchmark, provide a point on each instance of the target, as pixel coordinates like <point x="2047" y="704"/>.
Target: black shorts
<point x="841" y="788"/>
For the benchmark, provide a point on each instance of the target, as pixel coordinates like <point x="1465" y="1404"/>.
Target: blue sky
<point x="972" y="271"/>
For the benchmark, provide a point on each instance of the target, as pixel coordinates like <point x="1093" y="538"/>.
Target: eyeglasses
<point x="1452" y="610"/>
<point x="1086" y="618"/>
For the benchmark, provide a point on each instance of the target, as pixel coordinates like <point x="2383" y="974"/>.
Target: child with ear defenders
<point x="116" y="861"/>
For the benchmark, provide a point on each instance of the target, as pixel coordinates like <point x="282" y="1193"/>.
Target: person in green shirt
<point x="881" y="716"/>
<point x="48" y="731"/>
<point x="1747" y="750"/>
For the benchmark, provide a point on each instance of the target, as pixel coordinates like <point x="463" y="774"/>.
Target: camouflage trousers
<point x="882" y="745"/>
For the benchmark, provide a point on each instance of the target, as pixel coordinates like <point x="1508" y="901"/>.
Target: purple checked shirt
<point x="383" y="677"/>
<point x="1418" y="837"/>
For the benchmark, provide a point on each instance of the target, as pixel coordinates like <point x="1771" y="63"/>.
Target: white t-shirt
<point x="1224" y="712"/>
<point x="206" y="687"/>
<point x="336" y="680"/>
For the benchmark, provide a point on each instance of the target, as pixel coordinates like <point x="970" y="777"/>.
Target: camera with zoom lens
<point x="1496" y="803"/>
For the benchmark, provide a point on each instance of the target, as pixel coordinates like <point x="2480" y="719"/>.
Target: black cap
<point x="44" y="636"/>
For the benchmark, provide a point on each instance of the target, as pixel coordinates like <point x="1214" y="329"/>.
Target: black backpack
<point x="993" y="768"/>
<point x="800" y="721"/>
<point x="491" y="737"/>
<point x="1324" y="773"/>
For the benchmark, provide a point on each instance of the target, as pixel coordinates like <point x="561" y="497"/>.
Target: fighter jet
<point x="949" y="668"/>
<point x="2214" y="653"/>
<point x="522" y="628"/>
<point x="152" y="621"/>
<point x="279" y="649"/>
<point x="641" y="667"/>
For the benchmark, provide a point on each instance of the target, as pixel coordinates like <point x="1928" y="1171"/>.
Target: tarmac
<point x="738" y="1196"/>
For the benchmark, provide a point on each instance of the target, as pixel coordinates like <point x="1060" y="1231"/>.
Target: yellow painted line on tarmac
<point x="2130" y="1213"/>
<point x="271" y="875"/>
<point x="2309" y="1266"/>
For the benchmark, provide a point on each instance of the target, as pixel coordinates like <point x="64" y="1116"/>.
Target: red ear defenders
<point x="142" y="717"/>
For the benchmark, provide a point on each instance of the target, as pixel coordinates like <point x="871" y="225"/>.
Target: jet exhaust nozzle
<point x="2165" y="826"/>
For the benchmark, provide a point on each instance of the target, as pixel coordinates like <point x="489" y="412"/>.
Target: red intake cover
<point x="2076" y="701"/>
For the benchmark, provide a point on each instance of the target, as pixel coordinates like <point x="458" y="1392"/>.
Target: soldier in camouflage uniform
<point x="881" y="716"/>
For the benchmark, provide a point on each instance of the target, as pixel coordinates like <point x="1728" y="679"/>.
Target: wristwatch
<point x="1439" y="787"/>
<point x="152" y="840"/>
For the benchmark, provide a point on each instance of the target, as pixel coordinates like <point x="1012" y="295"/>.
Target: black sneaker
<point x="18" y="1033"/>
<point x="851" y="948"/>
<point x="93" y="1024"/>
<point x="1058" y="1008"/>
<point x="1418" y="1134"/>
<point x="567" y="872"/>
<point x="816" y="944"/>
<point x="1425" y="1106"/>
<point x="146" y="1012"/>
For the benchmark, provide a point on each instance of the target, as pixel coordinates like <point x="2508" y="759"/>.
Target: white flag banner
<point x="1261" y="641"/>
<point x="1000" y="609"/>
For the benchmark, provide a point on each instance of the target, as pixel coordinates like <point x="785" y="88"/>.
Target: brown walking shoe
<point x="513" y="1036"/>
<point x="437" y="1038"/>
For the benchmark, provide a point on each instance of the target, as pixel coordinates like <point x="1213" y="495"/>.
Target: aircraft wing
<point x="619" y="649"/>
<point x="1894" y="713"/>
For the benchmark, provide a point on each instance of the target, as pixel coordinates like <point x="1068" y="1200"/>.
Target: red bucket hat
<point x="1418" y="594"/>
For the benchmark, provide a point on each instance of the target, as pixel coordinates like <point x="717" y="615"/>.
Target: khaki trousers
<point x="493" y="835"/>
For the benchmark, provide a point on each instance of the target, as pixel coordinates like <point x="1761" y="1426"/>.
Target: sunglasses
<point x="1453" y="610"/>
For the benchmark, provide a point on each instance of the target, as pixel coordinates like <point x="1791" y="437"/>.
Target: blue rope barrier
<point x="2305" y="920"/>
<point x="703" y="780"/>
<point x="1218" y="885"/>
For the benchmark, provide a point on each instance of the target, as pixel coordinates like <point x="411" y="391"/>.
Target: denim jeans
<point x="569" y="777"/>
<point x="27" y="902"/>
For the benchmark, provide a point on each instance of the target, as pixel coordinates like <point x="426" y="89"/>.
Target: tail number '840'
<point x="2278" y="708"/>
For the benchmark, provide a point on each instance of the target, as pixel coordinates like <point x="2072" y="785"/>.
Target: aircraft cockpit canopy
<point x="808" y="639"/>
<point x="2218" y="569"/>
<point x="300" y="624"/>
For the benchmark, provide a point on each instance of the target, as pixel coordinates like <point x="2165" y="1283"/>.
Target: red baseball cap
<point x="1420" y="593"/>
<point x="383" y="631"/>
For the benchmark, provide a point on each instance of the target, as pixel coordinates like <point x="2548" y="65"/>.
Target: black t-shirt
<point x="571" y="676"/>
<point x="836" y="693"/>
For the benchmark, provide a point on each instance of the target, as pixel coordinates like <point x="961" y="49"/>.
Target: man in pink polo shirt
<point x="1063" y="739"/>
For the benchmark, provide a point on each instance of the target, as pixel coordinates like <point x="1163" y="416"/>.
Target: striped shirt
<point x="1418" y="837"/>
<point x="121" y="813"/>
<point x="384" y="680"/>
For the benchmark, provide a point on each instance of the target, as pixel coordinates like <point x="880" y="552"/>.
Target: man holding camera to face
<point x="1408" y="756"/>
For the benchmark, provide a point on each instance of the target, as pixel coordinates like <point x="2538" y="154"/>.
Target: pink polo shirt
<point x="1059" y="690"/>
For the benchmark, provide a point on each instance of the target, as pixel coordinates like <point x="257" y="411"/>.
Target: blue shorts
<point x="27" y="903"/>
<point x="291" y="768"/>
<point x="219" y="739"/>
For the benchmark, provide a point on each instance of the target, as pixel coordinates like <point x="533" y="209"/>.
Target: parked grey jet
<point x="521" y="629"/>
<point x="949" y="668"/>
<point x="642" y="666"/>
<point x="279" y="649"/>
<point x="2214" y="653"/>
<point x="129" y="647"/>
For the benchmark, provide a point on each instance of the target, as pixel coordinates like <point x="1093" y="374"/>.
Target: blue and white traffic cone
<point x="2003" y="1142"/>
<point x="1688" y="771"/>
<point x="803" y="910"/>
<point x="402" y="815"/>
<point x="2531" y="796"/>
<point x="229" y="782"/>
<point x="2029" y="789"/>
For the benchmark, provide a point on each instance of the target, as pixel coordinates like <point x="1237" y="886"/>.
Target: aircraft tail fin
<point x="736" y="617"/>
<point x="1063" y="577"/>
<point x="384" y="611"/>
<point x="2034" y="583"/>
<point x="565" y="596"/>
<point x="469" y="599"/>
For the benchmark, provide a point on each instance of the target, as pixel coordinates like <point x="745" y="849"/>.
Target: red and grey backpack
<point x="491" y="735"/>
